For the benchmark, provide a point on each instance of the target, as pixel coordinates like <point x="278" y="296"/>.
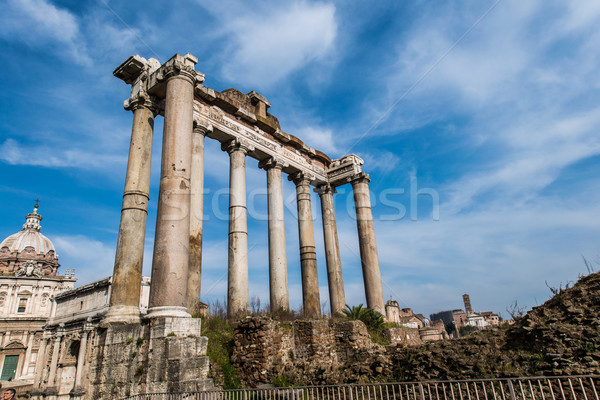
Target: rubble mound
<point x="560" y="337"/>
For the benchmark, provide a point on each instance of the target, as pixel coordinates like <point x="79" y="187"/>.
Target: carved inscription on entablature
<point x="221" y="122"/>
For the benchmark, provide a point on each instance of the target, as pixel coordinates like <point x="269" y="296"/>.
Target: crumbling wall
<point x="403" y="336"/>
<point x="307" y="351"/>
<point x="166" y="355"/>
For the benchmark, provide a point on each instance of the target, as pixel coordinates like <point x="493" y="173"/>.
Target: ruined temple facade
<point x="241" y="123"/>
<point x="129" y="350"/>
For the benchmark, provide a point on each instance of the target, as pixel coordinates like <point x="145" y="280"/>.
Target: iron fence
<point x="537" y="388"/>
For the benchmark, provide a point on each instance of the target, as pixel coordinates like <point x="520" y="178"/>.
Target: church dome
<point x="29" y="236"/>
<point x="28" y="252"/>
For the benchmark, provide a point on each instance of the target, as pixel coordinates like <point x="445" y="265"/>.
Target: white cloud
<point x="91" y="258"/>
<point x="40" y="23"/>
<point x="496" y="254"/>
<point x="12" y="152"/>
<point x="382" y="160"/>
<point x="271" y="43"/>
<point x="317" y="138"/>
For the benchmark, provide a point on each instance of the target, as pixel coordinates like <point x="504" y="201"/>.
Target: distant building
<point x="467" y="302"/>
<point x="457" y="317"/>
<point x="28" y="284"/>
<point x="491" y="318"/>
<point x="477" y="321"/>
<point x="406" y="318"/>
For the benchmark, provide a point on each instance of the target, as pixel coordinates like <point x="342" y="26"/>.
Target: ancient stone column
<point x="367" y="244"/>
<point x="81" y="358"/>
<point x="308" y="257"/>
<point x="168" y="290"/>
<point x="201" y="128"/>
<point x="237" y="281"/>
<point x="337" y="298"/>
<point x="127" y="275"/>
<point x="40" y="362"/>
<point x="278" y="281"/>
<point x="25" y="370"/>
<point x="54" y="361"/>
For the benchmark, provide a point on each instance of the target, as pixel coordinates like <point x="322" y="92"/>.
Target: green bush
<point x="372" y="319"/>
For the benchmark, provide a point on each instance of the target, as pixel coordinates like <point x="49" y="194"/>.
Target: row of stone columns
<point x="176" y="266"/>
<point x="58" y="344"/>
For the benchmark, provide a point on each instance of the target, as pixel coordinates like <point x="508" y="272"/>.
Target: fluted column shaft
<point x="168" y="290"/>
<point x="237" y="281"/>
<point x="127" y="275"/>
<point x="367" y="244"/>
<point x="308" y="257"/>
<point x="278" y="279"/>
<point x="196" y="217"/>
<point x="337" y="297"/>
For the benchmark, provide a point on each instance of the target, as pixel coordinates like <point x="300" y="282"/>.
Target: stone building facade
<point x="29" y="281"/>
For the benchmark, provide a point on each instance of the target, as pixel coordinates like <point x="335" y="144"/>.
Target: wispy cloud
<point x="91" y="258"/>
<point x="271" y="41"/>
<point x="12" y="152"/>
<point x="318" y="138"/>
<point x="39" y="23"/>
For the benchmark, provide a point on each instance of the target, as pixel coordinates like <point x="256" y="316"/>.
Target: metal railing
<point x="538" y="388"/>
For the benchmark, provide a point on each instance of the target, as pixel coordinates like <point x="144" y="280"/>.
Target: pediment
<point x="14" y="346"/>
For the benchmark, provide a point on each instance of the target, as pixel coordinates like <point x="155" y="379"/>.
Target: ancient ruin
<point x="123" y="349"/>
<point x="241" y="123"/>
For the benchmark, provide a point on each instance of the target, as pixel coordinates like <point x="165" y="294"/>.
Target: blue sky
<point x="492" y="107"/>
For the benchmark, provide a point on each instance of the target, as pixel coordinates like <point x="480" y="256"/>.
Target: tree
<point x="515" y="311"/>
<point x="450" y="328"/>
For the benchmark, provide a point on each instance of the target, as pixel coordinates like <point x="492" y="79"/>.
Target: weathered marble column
<point x="308" y="257"/>
<point x="201" y="128"/>
<point x="127" y="275"/>
<point x="367" y="244"/>
<point x="54" y="361"/>
<point x="168" y="290"/>
<point x="237" y="280"/>
<point x="40" y="362"/>
<point x="337" y="297"/>
<point x="81" y="359"/>
<point x="278" y="280"/>
<point x="25" y="370"/>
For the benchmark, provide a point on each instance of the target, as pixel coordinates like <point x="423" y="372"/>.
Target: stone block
<point x="175" y="327"/>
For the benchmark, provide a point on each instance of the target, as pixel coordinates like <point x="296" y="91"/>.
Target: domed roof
<point x="29" y="236"/>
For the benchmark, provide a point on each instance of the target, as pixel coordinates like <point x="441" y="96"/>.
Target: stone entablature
<point x="232" y="114"/>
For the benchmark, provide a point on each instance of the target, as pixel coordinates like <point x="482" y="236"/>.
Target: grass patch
<point x="220" y="348"/>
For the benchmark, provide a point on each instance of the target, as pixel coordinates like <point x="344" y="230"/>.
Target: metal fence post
<point x="512" y="390"/>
